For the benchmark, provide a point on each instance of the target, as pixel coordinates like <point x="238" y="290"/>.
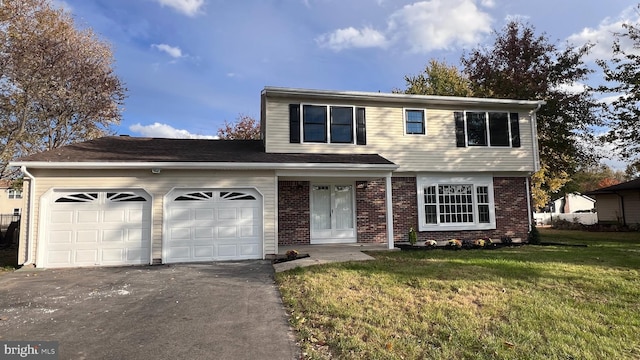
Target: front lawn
<point x="527" y="302"/>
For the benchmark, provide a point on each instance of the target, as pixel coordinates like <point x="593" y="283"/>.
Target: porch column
<point x="389" y="201"/>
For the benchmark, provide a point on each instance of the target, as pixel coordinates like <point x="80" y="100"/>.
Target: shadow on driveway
<point x="227" y="310"/>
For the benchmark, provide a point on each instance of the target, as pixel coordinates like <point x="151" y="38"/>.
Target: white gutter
<point x="272" y="91"/>
<point x="534" y="131"/>
<point x="203" y="165"/>
<point x="529" y="203"/>
<point x="32" y="186"/>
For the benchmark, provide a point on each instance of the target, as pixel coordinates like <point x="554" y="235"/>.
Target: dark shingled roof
<point x="135" y="149"/>
<point x="629" y="185"/>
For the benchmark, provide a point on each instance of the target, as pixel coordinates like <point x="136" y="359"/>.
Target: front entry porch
<point x="322" y="254"/>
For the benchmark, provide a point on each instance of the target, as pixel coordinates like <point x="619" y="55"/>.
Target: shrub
<point x="534" y="235"/>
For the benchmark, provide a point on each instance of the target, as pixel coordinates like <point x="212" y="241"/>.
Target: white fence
<point x="582" y="218"/>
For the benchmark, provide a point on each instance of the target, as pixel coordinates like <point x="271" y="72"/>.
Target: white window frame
<point x="486" y="112"/>
<point x="14" y="194"/>
<point x="425" y="180"/>
<point x="328" y="122"/>
<point x="424" y="120"/>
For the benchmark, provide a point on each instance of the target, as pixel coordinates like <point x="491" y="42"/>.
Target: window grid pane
<point x="341" y="124"/>
<point x="476" y="129"/>
<point x="482" y="193"/>
<point x="315" y="123"/>
<point x="431" y="215"/>
<point x="456" y="203"/>
<point x="415" y="121"/>
<point x="499" y="129"/>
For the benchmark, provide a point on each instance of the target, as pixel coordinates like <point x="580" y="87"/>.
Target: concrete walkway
<point x="322" y="254"/>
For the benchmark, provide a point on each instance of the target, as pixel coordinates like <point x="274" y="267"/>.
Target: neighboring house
<point x="572" y="203"/>
<point x="332" y="168"/>
<point x="574" y="207"/>
<point x="618" y="204"/>
<point x="10" y="199"/>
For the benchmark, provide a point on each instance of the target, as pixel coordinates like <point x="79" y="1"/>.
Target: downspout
<point x="534" y="130"/>
<point x="389" y="205"/>
<point x="624" y="217"/>
<point x="529" y="202"/>
<point x="31" y="205"/>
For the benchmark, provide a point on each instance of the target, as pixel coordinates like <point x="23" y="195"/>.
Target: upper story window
<point x="415" y="122"/>
<point x="14" y="194"/>
<point x="327" y="124"/>
<point x="487" y="128"/>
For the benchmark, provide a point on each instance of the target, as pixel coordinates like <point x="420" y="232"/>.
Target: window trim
<point x="13" y="194"/>
<point x="328" y="107"/>
<point x="425" y="180"/>
<point x="424" y="121"/>
<point x="488" y="129"/>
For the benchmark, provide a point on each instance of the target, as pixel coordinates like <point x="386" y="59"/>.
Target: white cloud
<point x="439" y="24"/>
<point x="488" y="3"/>
<point x="187" y="7"/>
<point x="603" y="35"/>
<point x="166" y="131"/>
<point x="173" y="51"/>
<point x="421" y="26"/>
<point x="351" y="37"/>
<point x="572" y="88"/>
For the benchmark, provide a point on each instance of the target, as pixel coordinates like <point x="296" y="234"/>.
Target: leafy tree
<point x="523" y="65"/>
<point x="623" y="71"/>
<point x="438" y="78"/>
<point x="632" y="171"/>
<point x="245" y="127"/>
<point x="593" y="177"/>
<point x="57" y="85"/>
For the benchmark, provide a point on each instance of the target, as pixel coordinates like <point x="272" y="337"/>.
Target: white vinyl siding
<point x="159" y="185"/>
<point x="385" y="127"/>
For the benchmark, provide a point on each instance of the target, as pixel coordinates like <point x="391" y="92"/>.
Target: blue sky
<point x="190" y="65"/>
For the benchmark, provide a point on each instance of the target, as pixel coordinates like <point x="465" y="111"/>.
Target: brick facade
<point x="510" y="199"/>
<point x="294" y="211"/>
<point x="371" y="215"/>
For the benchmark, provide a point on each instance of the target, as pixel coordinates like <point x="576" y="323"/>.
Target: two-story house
<point x="332" y="167"/>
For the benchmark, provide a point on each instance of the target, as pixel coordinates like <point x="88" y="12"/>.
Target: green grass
<point x="527" y="302"/>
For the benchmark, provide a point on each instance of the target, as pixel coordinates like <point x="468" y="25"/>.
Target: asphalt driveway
<point x="228" y="310"/>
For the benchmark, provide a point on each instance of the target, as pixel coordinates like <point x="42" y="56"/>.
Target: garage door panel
<point x="98" y="228"/>
<point x="203" y="251"/>
<point x="204" y="233"/>
<point x="88" y="216"/>
<point x="86" y="257"/>
<point x="87" y="236"/>
<point x="248" y="249"/>
<point x="117" y="216"/>
<point x="59" y="257"/>
<point x="224" y="225"/>
<point x="61" y="217"/>
<point x="178" y="234"/>
<point x="204" y="214"/>
<point x="61" y="237"/>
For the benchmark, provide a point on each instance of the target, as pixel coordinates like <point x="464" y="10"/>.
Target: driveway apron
<point x="227" y="310"/>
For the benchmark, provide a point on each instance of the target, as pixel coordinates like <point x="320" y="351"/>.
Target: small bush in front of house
<point x="454" y="244"/>
<point x="534" y="235"/>
<point x="430" y="243"/>
<point x="413" y="236"/>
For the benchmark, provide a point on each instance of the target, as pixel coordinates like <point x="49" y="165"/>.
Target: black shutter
<point x="461" y="140"/>
<point x="361" y="127"/>
<point x="515" y="130"/>
<point x="294" y="123"/>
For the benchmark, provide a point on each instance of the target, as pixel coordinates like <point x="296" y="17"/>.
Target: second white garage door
<point x="212" y="224"/>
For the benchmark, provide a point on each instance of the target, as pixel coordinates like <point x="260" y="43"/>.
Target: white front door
<point x="332" y="215"/>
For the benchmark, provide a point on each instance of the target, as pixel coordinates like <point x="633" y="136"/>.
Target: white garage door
<point x="93" y="228"/>
<point x="212" y="224"/>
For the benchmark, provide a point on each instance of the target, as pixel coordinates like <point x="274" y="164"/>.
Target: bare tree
<point x="57" y="84"/>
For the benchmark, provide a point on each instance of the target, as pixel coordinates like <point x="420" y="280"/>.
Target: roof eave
<point x="398" y="98"/>
<point x="203" y="165"/>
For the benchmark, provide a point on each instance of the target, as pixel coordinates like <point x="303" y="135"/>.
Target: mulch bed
<point x="280" y="258"/>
